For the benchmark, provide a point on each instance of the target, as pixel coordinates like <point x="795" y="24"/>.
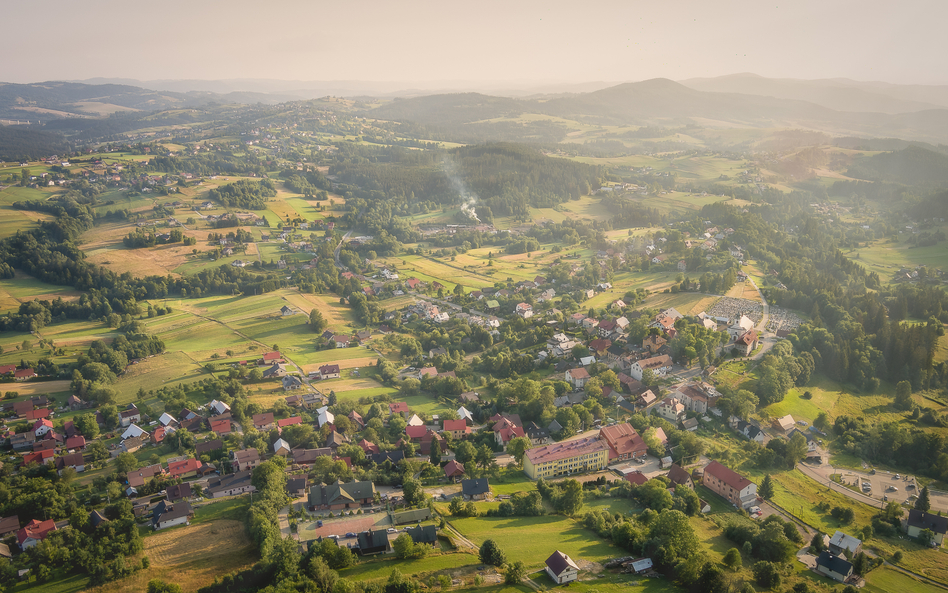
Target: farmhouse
<point x="329" y="371"/>
<point x="229" y="485"/>
<point x="577" y="377"/>
<point x="34" y="532"/>
<point x="169" y="515"/>
<point x="246" y="459"/>
<point x="917" y="521"/>
<point x="561" y="568"/>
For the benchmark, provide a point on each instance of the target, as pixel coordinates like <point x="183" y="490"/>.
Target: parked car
<point x="350" y="534"/>
<point x="392" y="530"/>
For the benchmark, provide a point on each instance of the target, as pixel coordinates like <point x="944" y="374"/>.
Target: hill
<point x="837" y="94"/>
<point x="912" y="166"/>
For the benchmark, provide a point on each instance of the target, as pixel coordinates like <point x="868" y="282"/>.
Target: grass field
<point x="371" y="570"/>
<point x="191" y="556"/>
<point x="889" y="580"/>
<point x="170" y="368"/>
<point x="546" y="533"/>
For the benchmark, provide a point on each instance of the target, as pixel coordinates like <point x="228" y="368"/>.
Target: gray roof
<point x="473" y="487"/>
<point x="834" y="563"/>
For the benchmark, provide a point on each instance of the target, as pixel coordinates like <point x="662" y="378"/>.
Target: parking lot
<point x="882" y="484"/>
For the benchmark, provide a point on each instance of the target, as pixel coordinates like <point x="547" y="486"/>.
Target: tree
<point x="86" y="424"/>
<point x="464" y="452"/>
<point x="435" y="452"/>
<point x="316" y="321"/>
<point x="924" y="502"/>
<point x="903" y="395"/>
<point x="113" y="490"/>
<point x="767" y="574"/>
<point x="159" y="586"/>
<point x="125" y="463"/>
<point x="740" y="403"/>
<point x="822" y="421"/>
<point x="861" y="564"/>
<point x="406" y="548"/>
<point x="518" y="446"/>
<point x="490" y="553"/>
<point x="484" y="456"/>
<point x="817" y="542"/>
<point x="732" y="559"/>
<point x="766" y="488"/>
<point x="570" y="499"/>
<point x="514" y="573"/>
<point x="414" y="493"/>
<point x="796" y="449"/>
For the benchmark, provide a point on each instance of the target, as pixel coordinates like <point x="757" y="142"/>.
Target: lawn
<point x="378" y="569"/>
<point x="546" y="533"/>
<point x="170" y="368"/>
<point x="889" y="580"/>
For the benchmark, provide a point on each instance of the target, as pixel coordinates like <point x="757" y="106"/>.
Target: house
<point x="356" y="419"/>
<point x="309" y="456"/>
<point x="220" y="426"/>
<point x="24" y="374"/>
<point x="453" y="469"/>
<point x="845" y="545"/>
<point x="178" y="492"/>
<point x="465" y="414"/>
<point x="680" y="477"/>
<point x="329" y="371"/>
<point x="284" y="311"/>
<point x="917" y="521"/>
<point x="184" y="468"/>
<point x="34" y="532"/>
<point x="207" y="447"/>
<point x="263" y="422"/>
<point x="270" y="358"/>
<point x="284" y="422"/>
<point x="340" y="495"/>
<point x="291" y="382"/>
<point x="566" y="458"/>
<point x="730" y="485"/>
<point x="169" y="515"/>
<point x="130" y="416"/>
<point x="506" y="427"/>
<point x="424" y="534"/>
<point x="784" y="425"/>
<point x="275" y="371"/>
<point x="373" y="542"/>
<point x="296" y="486"/>
<point x="561" y="568"/>
<point x="834" y="567"/>
<point x="577" y="377"/>
<point x="427" y="372"/>
<point x="659" y="365"/>
<point x="624" y="442"/>
<point x="537" y="434"/>
<point x="654" y="343"/>
<point x="42" y="456"/>
<point x="750" y="431"/>
<point x="22" y="441"/>
<point x="368" y="446"/>
<point x="217" y="408"/>
<point x="635" y="477"/>
<point x="281" y="447"/>
<point x="524" y="310"/>
<point x="9" y="525"/>
<point x="230" y="485"/>
<point x="458" y="428"/>
<point x="398" y="408"/>
<point x="697" y="397"/>
<point x="746" y="342"/>
<point x="42" y="427"/>
<point x="246" y="459"/>
<point x="341" y="341"/>
<point x="475" y="489"/>
<point x="689" y="424"/>
<point x="158" y="435"/>
<point x="137" y="478"/>
<point x="167" y="419"/>
<point x="324" y="416"/>
<point x="671" y="409"/>
<point x="73" y="460"/>
<point x="38" y="414"/>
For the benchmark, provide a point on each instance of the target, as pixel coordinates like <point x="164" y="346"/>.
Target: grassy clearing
<point x="379" y="569"/>
<point x="170" y="368"/>
<point x="889" y="580"/>
<point x="547" y="533"/>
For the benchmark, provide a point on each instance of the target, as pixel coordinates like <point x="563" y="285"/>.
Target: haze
<point x="439" y="44"/>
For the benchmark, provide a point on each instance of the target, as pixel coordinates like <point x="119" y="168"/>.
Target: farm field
<point x="24" y="287"/>
<point x="886" y="257"/>
<point x="190" y="556"/>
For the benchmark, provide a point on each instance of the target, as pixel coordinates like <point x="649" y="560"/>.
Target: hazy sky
<point x="507" y="41"/>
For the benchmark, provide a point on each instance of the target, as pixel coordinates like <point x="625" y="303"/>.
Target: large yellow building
<point x="567" y="457"/>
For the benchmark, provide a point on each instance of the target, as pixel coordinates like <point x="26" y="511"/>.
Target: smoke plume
<point x="468" y="198"/>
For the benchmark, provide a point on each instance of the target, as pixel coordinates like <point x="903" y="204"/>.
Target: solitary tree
<point x="490" y="553"/>
<point x="903" y="395"/>
<point x="316" y="321"/>
<point x="514" y="573"/>
<point x="732" y="559"/>
<point x="766" y="488"/>
<point x="923" y="503"/>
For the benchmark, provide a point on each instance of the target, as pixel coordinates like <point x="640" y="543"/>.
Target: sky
<point x="451" y="43"/>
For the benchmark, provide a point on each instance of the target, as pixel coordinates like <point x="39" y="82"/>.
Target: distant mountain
<point x="664" y="102"/>
<point x="839" y="94"/>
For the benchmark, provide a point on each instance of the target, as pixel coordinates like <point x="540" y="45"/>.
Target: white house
<point x="133" y="431"/>
<point x="324" y="416"/>
<point x="561" y="568"/>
